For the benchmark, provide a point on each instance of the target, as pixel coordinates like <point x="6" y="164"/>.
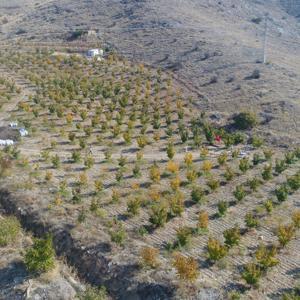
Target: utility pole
<point x="265" y="39"/>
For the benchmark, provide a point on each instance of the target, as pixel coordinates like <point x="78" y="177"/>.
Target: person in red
<point x="218" y="139"/>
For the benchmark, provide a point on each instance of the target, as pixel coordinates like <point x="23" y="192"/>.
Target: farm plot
<point x="147" y="185"/>
<point x="8" y="89"/>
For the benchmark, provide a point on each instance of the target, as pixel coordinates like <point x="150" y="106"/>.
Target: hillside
<point x="167" y="168"/>
<point x="213" y="46"/>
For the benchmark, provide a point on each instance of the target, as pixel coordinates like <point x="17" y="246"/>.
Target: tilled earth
<point x="88" y="245"/>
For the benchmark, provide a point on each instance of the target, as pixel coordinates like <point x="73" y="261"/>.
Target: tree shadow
<point x="149" y="291"/>
<point x="12" y="275"/>
<point x="295" y="273"/>
<point x="235" y="286"/>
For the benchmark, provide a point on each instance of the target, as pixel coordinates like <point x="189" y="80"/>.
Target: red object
<point x="218" y="139"/>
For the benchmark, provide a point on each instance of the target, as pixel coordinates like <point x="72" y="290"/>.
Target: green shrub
<point x="297" y="152"/>
<point x="98" y="184"/>
<point x="215" y="249"/>
<point x="229" y="174"/>
<point x="176" y="204"/>
<point x="292" y="295"/>
<point x="81" y="216"/>
<point x="268" y="153"/>
<point x="93" y="293"/>
<point x="289" y="157"/>
<point x="133" y="206"/>
<point x="245" y="120"/>
<point x="184" y="135"/>
<point x="251" y="220"/>
<point x="234" y="295"/>
<point x="256" y="141"/>
<point x="9" y="230"/>
<point x="76" y="197"/>
<point x="239" y="193"/>
<point x="256" y="159"/>
<point x="209" y="133"/>
<point x="183" y="235"/>
<point x="296" y="218"/>
<point x="252" y="274"/>
<point x="170" y="151"/>
<point x="232" y="236"/>
<point x="228" y="140"/>
<point x="281" y="193"/>
<point x="280" y="166"/>
<point x="213" y="184"/>
<point x="197" y="140"/>
<point x="142" y="141"/>
<point x="265" y="257"/>
<point x="203" y="220"/>
<point x="293" y="182"/>
<point x="222" y="158"/>
<point x="186" y="267"/>
<point x="158" y="215"/>
<point x="244" y="164"/>
<point x="267" y="172"/>
<point x="56" y="161"/>
<point x="154" y="173"/>
<point x="41" y="256"/>
<point x="89" y="161"/>
<point x="122" y="161"/>
<point x="285" y="233"/>
<point x="222" y="208"/>
<point x="254" y="184"/>
<point x="76" y="157"/>
<point x="118" y="235"/>
<point x="107" y="154"/>
<point x="136" y="171"/>
<point x="268" y="205"/>
<point x="119" y="175"/>
<point x="197" y="194"/>
<point x="238" y="138"/>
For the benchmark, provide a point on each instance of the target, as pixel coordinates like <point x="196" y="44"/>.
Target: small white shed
<point x="13" y="124"/>
<point x="23" y="132"/>
<point x="6" y="142"/>
<point x="94" y="52"/>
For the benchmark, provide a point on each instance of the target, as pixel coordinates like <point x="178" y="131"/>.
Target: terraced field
<point x="141" y="186"/>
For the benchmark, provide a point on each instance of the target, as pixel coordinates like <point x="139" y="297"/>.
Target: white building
<point x="13" y="124"/>
<point x="23" y="132"/>
<point x="94" y="53"/>
<point x="6" y="142"/>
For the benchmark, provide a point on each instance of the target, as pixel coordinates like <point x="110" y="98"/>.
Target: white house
<point x="94" y="52"/>
<point x="13" y="124"/>
<point x="23" y="132"/>
<point x="6" y="142"/>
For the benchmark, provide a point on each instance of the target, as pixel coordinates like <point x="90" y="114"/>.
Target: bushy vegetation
<point x="149" y="257"/>
<point x="252" y="274"/>
<point x="232" y="236"/>
<point x="186" y="267"/>
<point x="215" y="250"/>
<point x="41" y="256"/>
<point x="9" y="230"/>
<point x="245" y="120"/>
<point x="93" y="293"/>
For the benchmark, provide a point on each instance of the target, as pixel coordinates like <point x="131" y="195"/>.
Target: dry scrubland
<point x="122" y="167"/>
<point x="16" y="282"/>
